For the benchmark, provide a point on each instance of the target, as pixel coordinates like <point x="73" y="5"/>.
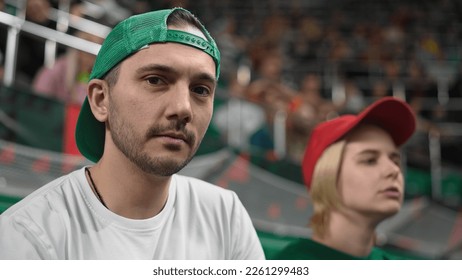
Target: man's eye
<point x="201" y="90"/>
<point x="154" y="80"/>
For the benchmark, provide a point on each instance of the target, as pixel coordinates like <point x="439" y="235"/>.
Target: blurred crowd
<point x="309" y="60"/>
<point x="314" y="61"/>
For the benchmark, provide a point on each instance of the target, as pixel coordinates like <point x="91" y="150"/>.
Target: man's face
<point x="161" y="106"/>
<point x="370" y="179"/>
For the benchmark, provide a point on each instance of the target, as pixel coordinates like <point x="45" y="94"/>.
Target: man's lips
<point x="175" y="137"/>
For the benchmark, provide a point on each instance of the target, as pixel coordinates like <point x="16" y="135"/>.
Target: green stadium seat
<point x="451" y="188"/>
<point x="7" y="201"/>
<point x="38" y="120"/>
<point x="417" y="182"/>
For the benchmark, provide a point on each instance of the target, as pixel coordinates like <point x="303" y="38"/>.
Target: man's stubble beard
<point x="125" y="139"/>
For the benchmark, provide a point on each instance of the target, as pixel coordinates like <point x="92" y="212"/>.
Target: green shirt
<point x="307" y="249"/>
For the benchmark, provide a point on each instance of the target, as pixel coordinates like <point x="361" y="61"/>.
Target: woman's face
<point x="370" y="179"/>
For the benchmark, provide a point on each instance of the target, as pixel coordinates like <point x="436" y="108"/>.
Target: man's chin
<point x="163" y="166"/>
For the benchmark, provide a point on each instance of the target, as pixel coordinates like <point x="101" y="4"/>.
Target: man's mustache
<point x="173" y="127"/>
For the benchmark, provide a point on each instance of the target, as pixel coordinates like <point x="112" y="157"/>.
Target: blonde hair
<point x="324" y="193"/>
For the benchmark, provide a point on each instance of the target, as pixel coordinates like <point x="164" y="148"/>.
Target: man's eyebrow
<point x="155" y="67"/>
<point x="167" y="69"/>
<point x="206" y="77"/>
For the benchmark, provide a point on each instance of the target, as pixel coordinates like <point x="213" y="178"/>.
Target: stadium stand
<point x="411" y="47"/>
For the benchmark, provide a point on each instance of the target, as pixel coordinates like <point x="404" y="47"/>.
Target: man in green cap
<point x="150" y="101"/>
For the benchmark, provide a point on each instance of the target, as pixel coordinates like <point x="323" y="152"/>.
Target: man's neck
<point x="129" y="191"/>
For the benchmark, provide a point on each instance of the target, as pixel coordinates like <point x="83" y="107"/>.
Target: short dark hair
<point x="112" y="76"/>
<point x="182" y="18"/>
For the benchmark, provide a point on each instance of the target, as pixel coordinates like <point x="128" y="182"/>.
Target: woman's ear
<point x="98" y="91"/>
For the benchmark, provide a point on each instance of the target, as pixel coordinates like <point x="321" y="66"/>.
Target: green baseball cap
<point x="126" y="38"/>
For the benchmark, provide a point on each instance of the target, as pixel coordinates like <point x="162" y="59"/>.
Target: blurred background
<point x="286" y="66"/>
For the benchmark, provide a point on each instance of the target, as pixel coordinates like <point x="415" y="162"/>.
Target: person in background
<point x="3" y="33"/>
<point x="3" y="36"/>
<point x="2" y="68"/>
<point x="301" y="119"/>
<point x="352" y="169"/>
<point x="31" y="49"/>
<point x="149" y="104"/>
<point x="67" y="80"/>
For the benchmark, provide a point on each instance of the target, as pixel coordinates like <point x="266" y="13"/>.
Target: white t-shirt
<point x="65" y="220"/>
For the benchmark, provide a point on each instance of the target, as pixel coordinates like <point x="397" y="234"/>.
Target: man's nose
<point x="179" y="106"/>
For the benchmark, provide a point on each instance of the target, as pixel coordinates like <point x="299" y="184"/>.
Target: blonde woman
<point x="352" y="169"/>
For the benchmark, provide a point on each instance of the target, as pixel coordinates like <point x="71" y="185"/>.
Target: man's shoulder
<point x="44" y="197"/>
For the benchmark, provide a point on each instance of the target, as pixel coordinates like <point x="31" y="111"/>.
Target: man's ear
<point x="98" y="94"/>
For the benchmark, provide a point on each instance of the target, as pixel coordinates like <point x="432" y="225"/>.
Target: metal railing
<point x="17" y="23"/>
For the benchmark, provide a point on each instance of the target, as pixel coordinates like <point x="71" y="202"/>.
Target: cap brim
<point x="393" y="115"/>
<point x="89" y="134"/>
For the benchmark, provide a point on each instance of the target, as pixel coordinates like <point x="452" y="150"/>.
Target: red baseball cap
<point x="393" y="115"/>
